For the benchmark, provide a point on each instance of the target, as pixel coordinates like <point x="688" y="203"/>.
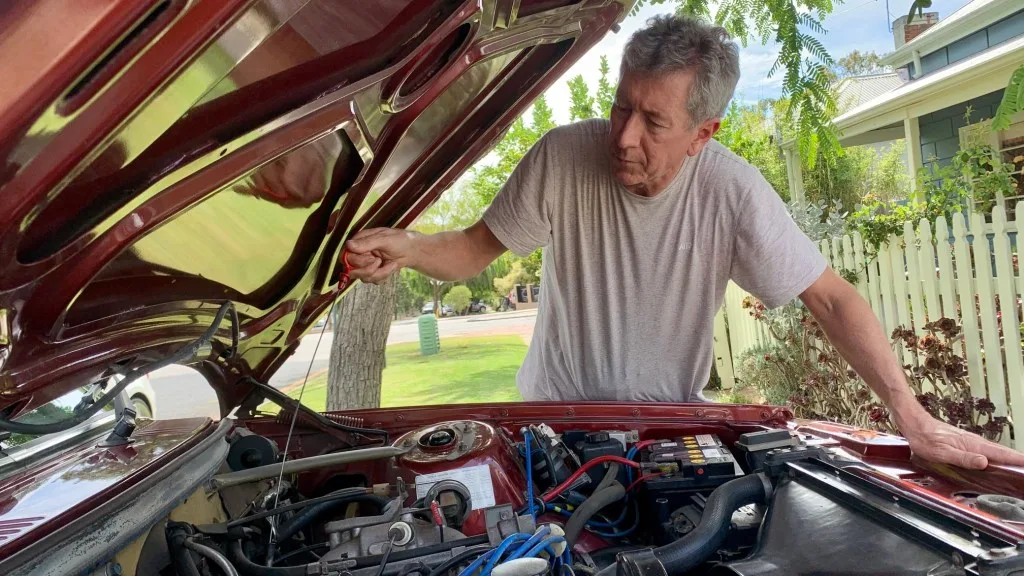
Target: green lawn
<point x="481" y="369"/>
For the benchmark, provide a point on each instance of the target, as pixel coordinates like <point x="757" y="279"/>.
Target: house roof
<point x="856" y="90"/>
<point x="980" y="74"/>
<point x="970" y="18"/>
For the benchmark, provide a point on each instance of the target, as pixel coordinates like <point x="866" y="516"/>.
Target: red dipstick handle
<point x="344" y="279"/>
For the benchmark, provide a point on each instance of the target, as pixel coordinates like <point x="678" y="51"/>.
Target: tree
<point x="357" y="350"/>
<point x="749" y="131"/>
<point x="605" y="91"/>
<point x="458" y="299"/>
<point x="581" y="105"/>
<point x="859" y="63"/>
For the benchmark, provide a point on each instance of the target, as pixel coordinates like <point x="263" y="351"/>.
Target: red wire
<point x="576" y="475"/>
<point x="641" y="479"/>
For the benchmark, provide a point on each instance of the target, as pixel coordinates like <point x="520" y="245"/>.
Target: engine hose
<point x="707" y="538"/>
<point x="589" y="508"/>
<point x="182" y="559"/>
<point x="250" y="568"/>
<point x="311" y="513"/>
<point x="610" y="475"/>
<point x="213" y="556"/>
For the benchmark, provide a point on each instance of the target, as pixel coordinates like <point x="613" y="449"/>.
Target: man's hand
<point x="854" y="330"/>
<point x="939" y="442"/>
<point x="377" y="253"/>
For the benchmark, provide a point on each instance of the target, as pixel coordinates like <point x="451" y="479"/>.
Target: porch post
<point x="912" y="139"/>
<point x="795" y="174"/>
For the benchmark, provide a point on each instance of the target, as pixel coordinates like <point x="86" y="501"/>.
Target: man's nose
<point x="629" y="135"/>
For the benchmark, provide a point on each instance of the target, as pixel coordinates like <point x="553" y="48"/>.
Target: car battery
<point x="678" y="469"/>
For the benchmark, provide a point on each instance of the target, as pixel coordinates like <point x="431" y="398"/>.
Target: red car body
<point x="158" y="158"/>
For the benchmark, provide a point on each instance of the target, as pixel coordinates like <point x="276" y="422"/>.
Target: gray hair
<point x="681" y="44"/>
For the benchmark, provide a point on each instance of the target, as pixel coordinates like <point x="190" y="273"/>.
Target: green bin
<point x="430" y="340"/>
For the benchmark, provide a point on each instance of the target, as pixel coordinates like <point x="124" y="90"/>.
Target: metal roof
<point x="856" y="90"/>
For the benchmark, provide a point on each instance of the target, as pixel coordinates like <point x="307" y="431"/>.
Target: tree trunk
<point x="357" y="352"/>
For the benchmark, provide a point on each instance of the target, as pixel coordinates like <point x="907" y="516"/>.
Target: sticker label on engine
<point x="476" y="478"/>
<point x="706" y="440"/>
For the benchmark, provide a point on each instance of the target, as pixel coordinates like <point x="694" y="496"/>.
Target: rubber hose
<point x="213" y="556"/>
<point x="707" y="538"/>
<point x="250" y="568"/>
<point x="309" y="514"/>
<point x="589" y="508"/>
<point x="610" y="475"/>
<point x="182" y="559"/>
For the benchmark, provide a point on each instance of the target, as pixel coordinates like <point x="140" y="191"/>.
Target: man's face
<point x="652" y="133"/>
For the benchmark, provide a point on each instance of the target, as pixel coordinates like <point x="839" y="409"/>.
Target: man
<point x="644" y="220"/>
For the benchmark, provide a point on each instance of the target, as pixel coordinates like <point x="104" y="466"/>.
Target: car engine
<point x="472" y="498"/>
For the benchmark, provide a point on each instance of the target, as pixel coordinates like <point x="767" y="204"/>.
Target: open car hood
<point x="158" y="158"/>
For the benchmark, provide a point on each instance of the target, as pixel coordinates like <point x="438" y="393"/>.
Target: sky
<point x="854" y="25"/>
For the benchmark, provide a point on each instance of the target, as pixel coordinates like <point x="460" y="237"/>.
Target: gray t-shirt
<point x="629" y="284"/>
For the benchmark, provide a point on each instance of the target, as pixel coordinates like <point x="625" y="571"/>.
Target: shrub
<point x="458" y="298"/>
<point x="803" y="364"/>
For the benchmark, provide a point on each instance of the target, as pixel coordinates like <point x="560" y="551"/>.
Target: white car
<point x="141" y="394"/>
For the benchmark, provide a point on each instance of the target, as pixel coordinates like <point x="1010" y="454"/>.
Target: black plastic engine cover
<point x="806" y="533"/>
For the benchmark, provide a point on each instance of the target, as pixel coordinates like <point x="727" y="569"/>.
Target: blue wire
<point x="537" y="536"/>
<point x="475" y="564"/>
<point x="528" y="440"/>
<point x="545" y="545"/>
<point x="629" y="469"/>
<point x="627" y="531"/>
<point x="501" y="549"/>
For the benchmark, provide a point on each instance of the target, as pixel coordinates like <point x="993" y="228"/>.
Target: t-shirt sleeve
<point x="772" y="258"/>
<point x="520" y="215"/>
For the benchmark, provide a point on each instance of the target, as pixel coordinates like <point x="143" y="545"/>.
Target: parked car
<point x="177" y="181"/>
<point x="428" y="308"/>
<point x="477" y="306"/>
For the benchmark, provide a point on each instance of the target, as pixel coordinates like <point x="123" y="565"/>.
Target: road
<point x="182" y="392"/>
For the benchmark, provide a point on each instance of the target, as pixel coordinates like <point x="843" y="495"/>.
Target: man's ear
<point x="705" y="131"/>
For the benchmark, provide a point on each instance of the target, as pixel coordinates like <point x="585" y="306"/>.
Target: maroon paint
<point x="40" y="500"/>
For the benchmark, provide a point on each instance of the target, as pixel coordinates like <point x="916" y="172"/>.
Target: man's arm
<point x="377" y="253"/>
<point x="851" y="326"/>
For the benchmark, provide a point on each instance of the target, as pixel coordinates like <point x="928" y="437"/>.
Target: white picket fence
<point x="919" y="278"/>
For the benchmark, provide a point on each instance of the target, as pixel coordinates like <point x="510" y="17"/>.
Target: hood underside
<point x="159" y="158"/>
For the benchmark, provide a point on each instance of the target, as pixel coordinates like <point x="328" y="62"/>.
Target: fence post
<point x="723" y="352"/>
<point x="991" y="345"/>
<point x="1007" y="290"/>
<point x="947" y="282"/>
<point x="913" y="243"/>
<point x="932" y="306"/>
<point x="968" y="310"/>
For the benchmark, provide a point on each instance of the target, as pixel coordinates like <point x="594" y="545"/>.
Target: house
<point x="942" y="69"/>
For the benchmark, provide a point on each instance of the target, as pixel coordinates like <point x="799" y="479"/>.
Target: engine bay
<point x="477" y="498"/>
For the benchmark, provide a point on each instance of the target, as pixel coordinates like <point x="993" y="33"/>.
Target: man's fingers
<point x="366" y="269"/>
<point x="366" y="240"/>
<point x="995" y="453"/>
<point x="383" y="273"/>
<point x="951" y="455"/>
<point x="357" y="261"/>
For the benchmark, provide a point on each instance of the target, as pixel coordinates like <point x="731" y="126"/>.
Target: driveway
<point x="182" y="392"/>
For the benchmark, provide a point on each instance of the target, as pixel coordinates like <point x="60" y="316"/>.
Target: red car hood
<point x="158" y="158"/>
